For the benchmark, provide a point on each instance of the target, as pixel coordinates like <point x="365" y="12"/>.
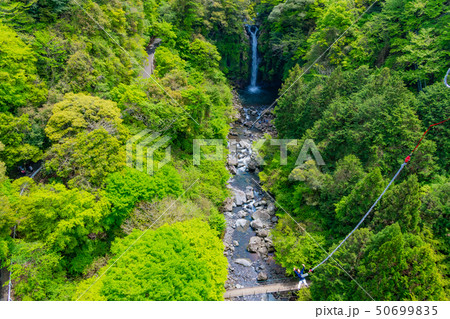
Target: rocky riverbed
<point x="250" y="213"/>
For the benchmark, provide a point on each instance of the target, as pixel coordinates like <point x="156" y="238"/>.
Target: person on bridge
<point x="300" y="274"/>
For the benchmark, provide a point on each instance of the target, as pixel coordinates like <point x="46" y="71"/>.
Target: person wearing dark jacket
<point x="300" y="274"/>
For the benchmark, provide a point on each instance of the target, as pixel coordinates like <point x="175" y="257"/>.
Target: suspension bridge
<point x="291" y="285"/>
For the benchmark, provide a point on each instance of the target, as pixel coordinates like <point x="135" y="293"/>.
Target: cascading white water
<point x="253" y="29"/>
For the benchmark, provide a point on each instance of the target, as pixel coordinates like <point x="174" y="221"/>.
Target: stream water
<point x="250" y="214"/>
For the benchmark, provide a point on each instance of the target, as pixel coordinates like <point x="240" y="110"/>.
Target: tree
<point x="51" y="55"/>
<point x="69" y="222"/>
<point x="37" y="273"/>
<point x="83" y="113"/>
<point x="7" y="216"/>
<point x="435" y="211"/>
<point x="331" y="282"/>
<point x="14" y="132"/>
<point x="204" y="55"/>
<point x="399" y="266"/>
<point x="125" y="188"/>
<point x="293" y="247"/>
<point x="351" y="208"/>
<point x="19" y="84"/>
<point x="400" y="205"/>
<point x="423" y="54"/>
<point x="434" y="106"/>
<point x="86" y="160"/>
<point x="183" y="261"/>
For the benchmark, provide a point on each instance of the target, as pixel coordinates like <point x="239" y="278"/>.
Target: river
<point x="250" y="213"/>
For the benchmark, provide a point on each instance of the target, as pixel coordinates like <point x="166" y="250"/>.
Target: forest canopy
<point x="361" y="79"/>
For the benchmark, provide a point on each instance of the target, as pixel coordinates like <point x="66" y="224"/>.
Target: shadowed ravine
<point x="250" y="214"/>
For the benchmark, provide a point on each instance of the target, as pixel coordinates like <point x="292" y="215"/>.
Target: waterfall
<point x="253" y="30"/>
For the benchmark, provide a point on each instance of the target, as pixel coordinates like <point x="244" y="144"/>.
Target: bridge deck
<point x="263" y="289"/>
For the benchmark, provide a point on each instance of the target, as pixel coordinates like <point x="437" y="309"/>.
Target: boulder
<point x="249" y="192"/>
<point x="263" y="250"/>
<point x="262" y="276"/>
<point x="242" y="214"/>
<point x="239" y="197"/>
<point x="244" y="144"/>
<point x="228" y="205"/>
<point x="255" y="244"/>
<point x="274" y="219"/>
<point x="242" y="225"/>
<point x="232" y="161"/>
<point x="271" y="209"/>
<point x="262" y="232"/>
<point x="269" y="244"/>
<point x="252" y="165"/>
<point x="244" y="262"/>
<point x="262" y="215"/>
<point x="261" y="203"/>
<point x="232" y="170"/>
<point x="235" y="243"/>
<point x="257" y="224"/>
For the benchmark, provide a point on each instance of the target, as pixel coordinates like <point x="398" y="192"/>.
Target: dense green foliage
<point x="183" y="261"/>
<point x="72" y="94"/>
<point x="365" y="103"/>
<point x="408" y="36"/>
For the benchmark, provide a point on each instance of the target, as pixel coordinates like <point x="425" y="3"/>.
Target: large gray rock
<point x="269" y="244"/>
<point x="257" y="224"/>
<point x="263" y="251"/>
<point x="262" y="232"/>
<point x="239" y="197"/>
<point x="249" y="192"/>
<point x="262" y="215"/>
<point x="244" y="144"/>
<point x="252" y="165"/>
<point x="262" y="276"/>
<point x="228" y="205"/>
<point x="232" y="160"/>
<point x="242" y="214"/>
<point x="243" y="261"/>
<point x="261" y="203"/>
<point x="255" y="244"/>
<point x="242" y="225"/>
<point x="271" y="209"/>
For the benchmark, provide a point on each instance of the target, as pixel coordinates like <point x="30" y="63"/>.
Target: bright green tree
<point x="37" y="273"/>
<point x="182" y="261"/>
<point x="69" y="222"/>
<point x="19" y="84"/>
<point x="86" y="159"/>
<point x="79" y="113"/>
<point x="125" y="188"/>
